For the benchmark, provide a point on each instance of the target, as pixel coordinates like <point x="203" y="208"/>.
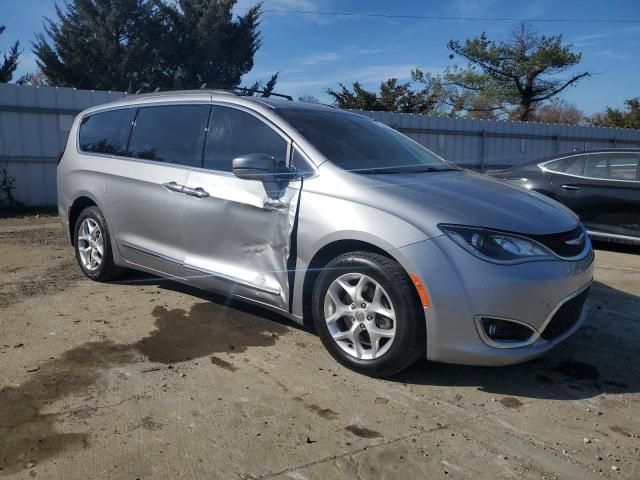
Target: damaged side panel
<point x="238" y="239"/>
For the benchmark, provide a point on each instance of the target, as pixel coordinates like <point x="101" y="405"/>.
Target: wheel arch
<point x="324" y="255"/>
<point x="79" y="204"/>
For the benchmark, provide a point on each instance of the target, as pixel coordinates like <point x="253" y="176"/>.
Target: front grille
<point x="566" y="317"/>
<point x="557" y="242"/>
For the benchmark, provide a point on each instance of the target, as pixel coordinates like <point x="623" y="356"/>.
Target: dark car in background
<point x="601" y="186"/>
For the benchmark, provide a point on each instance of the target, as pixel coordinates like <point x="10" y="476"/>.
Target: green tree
<point x="629" y="117"/>
<point x="265" y="89"/>
<point x="359" y="98"/>
<point x="208" y="44"/>
<point x="392" y="96"/>
<point x="515" y="75"/>
<point x="35" y="79"/>
<point x="9" y="62"/>
<point x="308" y="99"/>
<point x="144" y="44"/>
<point x="559" y="111"/>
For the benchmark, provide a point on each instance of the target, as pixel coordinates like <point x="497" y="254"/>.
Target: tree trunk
<point x="525" y="109"/>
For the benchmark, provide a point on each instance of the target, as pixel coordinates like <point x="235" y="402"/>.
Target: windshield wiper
<point x="373" y="171"/>
<point x="382" y="171"/>
<point x="436" y="169"/>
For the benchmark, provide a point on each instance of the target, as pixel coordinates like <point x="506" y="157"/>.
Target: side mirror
<point x="258" y="166"/>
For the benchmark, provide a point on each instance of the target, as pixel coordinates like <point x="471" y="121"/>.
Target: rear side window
<point x="612" y="166"/>
<point x="171" y="134"/>
<point x="106" y="132"/>
<point x="570" y="165"/>
<point x="233" y="133"/>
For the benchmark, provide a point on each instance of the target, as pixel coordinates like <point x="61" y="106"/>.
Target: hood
<point x="482" y="201"/>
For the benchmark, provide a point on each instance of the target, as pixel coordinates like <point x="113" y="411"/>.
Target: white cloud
<point x="533" y="9"/>
<point x="355" y="50"/>
<point x="611" y="54"/>
<point x="375" y="73"/>
<point x="587" y="40"/>
<point x="318" y="57"/>
<point x="306" y="5"/>
<point x="321" y="57"/>
<point x="471" y="7"/>
<point x="268" y="6"/>
<point x="591" y="38"/>
<point x="365" y="75"/>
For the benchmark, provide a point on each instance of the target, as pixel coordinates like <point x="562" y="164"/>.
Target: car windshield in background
<point x="362" y="145"/>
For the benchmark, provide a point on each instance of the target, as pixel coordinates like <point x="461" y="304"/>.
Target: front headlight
<point x="496" y="247"/>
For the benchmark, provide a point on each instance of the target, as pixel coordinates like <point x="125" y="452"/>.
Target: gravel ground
<point x="145" y="378"/>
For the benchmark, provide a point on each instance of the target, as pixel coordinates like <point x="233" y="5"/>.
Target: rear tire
<point x="382" y="328"/>
<point x="92" y="243"/>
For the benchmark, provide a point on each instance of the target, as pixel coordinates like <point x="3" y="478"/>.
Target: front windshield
<point x="362" y="145"/>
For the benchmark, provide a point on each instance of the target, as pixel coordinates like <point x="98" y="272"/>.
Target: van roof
<point x="273" y="102"/>
<point x="207" y="95"/>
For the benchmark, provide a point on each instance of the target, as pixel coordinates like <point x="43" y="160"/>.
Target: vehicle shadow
<point x="134" y="277"/>
<point x="601" y="357"/>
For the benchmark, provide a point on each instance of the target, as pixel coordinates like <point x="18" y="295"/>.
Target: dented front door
<point x="237" y="238"/>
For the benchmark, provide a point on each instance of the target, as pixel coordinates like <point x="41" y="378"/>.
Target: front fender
<point x="324" y="220"/>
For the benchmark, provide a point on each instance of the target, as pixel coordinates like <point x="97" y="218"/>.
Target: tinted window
<point x="358" y="143"/>
<point x="300" y="163"/>
<point x="613" y="166"/>
<point x="171" y="134"/>
<point x="233" y="133"/>
<point x="106" y="132"/>
<point x="571" y="165"/>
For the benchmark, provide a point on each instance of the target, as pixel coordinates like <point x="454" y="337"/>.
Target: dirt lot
<point x="144" y="378"/>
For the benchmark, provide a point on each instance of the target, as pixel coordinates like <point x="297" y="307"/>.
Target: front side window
<point x="571" y="165"/>
<point x="300" y="164"/>
<point x="362" y="145"/>
<point x="612" y="166"/>
<point x="106" y="132"/>
<point x="170" y="133"/>
<point x="233" y="133"/>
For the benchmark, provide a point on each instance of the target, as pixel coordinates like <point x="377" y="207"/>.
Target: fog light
<point x="500" y="330"/>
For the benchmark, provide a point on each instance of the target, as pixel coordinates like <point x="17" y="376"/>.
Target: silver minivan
<point x="328" y="217"/>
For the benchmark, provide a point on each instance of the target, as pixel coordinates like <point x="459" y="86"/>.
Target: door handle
<point x="197" y="192"/>
<point x="173" y="186"/>
<point x="571" y="187"/>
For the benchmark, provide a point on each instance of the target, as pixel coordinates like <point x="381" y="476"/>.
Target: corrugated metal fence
<point x="485" y="144"/>
<point x="35" y="123"/>
<point x="34" y="126"/>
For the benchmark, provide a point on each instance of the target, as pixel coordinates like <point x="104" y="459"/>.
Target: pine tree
<point x="144" y="44"/>
<point x="516" y="75"/>
<point x="9" y="62"/>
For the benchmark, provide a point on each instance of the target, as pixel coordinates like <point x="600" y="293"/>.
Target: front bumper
<point x="462" y="288"/>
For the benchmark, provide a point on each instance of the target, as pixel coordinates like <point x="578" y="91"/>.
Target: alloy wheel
<point x="360" y="316"/>
<point x="90" y="244"/>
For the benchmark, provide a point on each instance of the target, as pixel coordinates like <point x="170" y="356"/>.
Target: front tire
<point x="92" y="242"/>
<point x="368" y="315"/>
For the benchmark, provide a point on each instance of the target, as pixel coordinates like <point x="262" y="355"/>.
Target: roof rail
<point x="232" y="90"/>
<point x="247" y="90"/>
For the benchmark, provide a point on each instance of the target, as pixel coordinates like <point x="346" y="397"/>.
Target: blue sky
<point x="313" y="52"/>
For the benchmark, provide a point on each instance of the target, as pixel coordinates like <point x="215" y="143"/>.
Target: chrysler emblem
<point x="576" y="241"/>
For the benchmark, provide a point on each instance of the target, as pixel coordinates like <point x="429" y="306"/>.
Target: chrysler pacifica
<point x="328" y="217"/>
